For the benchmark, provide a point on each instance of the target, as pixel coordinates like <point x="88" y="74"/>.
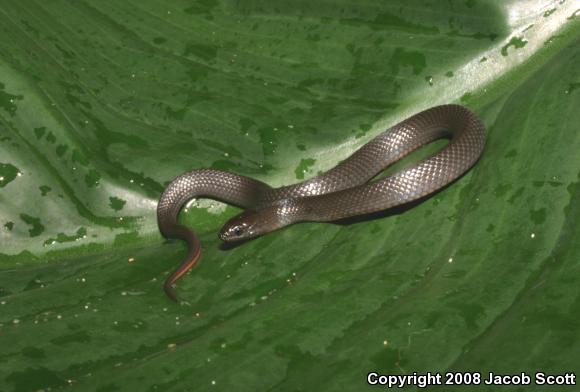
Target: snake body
<point x="342" y="192"/>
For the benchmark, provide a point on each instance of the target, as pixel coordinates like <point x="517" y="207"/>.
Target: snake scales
<point x="342" y="192"/>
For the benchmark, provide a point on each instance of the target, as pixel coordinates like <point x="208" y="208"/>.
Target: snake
<point x="347" y="190"/>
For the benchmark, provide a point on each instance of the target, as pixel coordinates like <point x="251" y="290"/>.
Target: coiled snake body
<point x="342" y="192"/>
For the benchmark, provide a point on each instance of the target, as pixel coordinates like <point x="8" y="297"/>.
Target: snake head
<point x="254" y="223"/>
<point x="241" y="227"/>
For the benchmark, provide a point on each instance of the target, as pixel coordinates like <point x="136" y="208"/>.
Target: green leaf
<point x="103" y="103"/>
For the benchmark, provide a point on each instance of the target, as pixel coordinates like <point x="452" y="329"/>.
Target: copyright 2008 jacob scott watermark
<point x="423" y="380"/>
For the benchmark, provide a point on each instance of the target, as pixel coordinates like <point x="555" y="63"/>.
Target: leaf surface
<point x="103" y="103"/>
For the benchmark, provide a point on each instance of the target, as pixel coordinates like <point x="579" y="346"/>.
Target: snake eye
<point x="238" y="231"/>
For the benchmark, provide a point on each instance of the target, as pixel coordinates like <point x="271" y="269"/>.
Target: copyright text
<point x="469" y="378"/>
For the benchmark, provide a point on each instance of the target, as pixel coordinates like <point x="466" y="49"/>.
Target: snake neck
<point x="214" y="184"/>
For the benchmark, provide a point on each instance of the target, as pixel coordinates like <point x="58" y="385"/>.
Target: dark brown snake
<point x="342" y="192"/>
